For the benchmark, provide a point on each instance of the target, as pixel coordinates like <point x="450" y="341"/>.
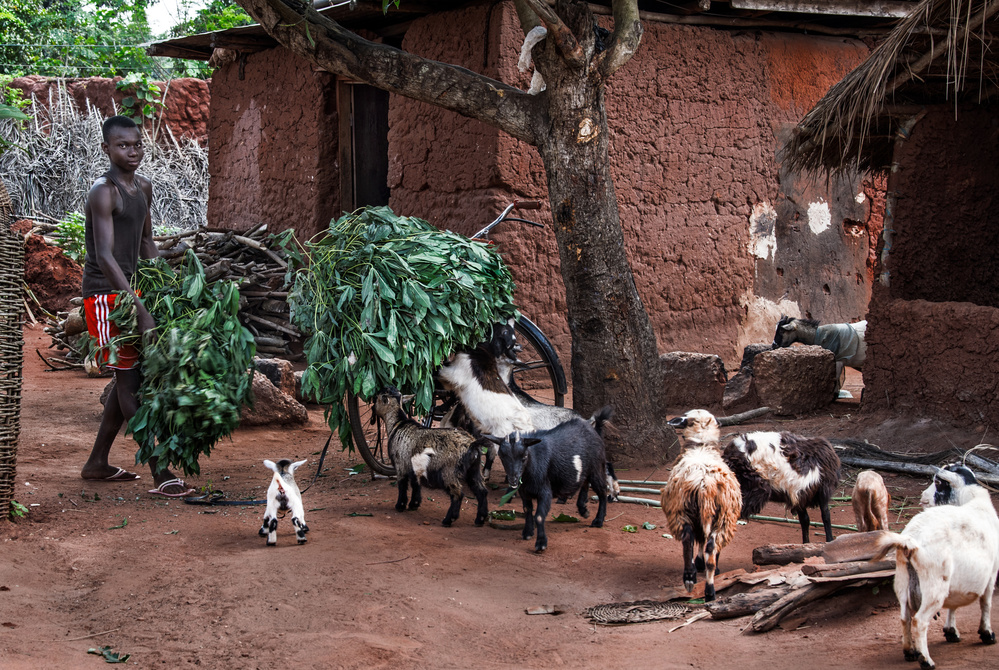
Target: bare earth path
<point x="181" y="585"/>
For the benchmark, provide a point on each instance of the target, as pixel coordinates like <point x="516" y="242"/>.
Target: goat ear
<point x="406" y="399"/>
<point x="530" y="441"/>
<point x="296" y="464"/>
<point x="271" y="465"/>
<point x="787" y="327"/>
<point x="494" y="439"/>
<point x="951" y="478"/>
<point x="678" y="422"/>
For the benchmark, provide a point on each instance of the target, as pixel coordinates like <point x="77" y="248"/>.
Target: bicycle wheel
<point x="539" y="374"/>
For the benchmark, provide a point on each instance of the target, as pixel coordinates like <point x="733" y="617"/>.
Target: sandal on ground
<point x="177" y="482"/>
<point x="122" y="475"/>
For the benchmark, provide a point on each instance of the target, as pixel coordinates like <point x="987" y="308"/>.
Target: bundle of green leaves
<point x="385" y="300"/>
<point x="196" y="374"/>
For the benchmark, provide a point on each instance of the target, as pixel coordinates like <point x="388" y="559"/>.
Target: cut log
<point x="768" y="617"/>
<point x="852" y="547"/>
<point x="848" y="568"/>
<point x="743" y="417"/>
<point x="744" y="604"/>
<point x="906" y="468"/>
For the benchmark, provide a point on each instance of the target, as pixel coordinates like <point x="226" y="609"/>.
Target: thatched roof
<point x="945" y="52"/>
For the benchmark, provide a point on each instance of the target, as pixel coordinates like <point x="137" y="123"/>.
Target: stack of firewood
<point x="804" y="573"/>
<point x="260" y="262"/>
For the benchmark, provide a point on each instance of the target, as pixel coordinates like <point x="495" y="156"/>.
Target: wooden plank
<point x="768" y="617"/>
<point x="881" y="574"/>
<point x="782" y="554"/>
<point x="345" y="113"/>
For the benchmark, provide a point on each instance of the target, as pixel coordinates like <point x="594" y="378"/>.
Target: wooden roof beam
<point x="879" y="8"/>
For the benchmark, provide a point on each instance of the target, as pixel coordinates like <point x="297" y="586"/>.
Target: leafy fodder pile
<point x="57" y="156"/>
<point x="385" y="300"/>
<point x="197" y="372"/>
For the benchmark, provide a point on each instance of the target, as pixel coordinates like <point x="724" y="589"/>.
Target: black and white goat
<point x="800" y="472"/>
<point x="555" y="463"/>
<point x="947" y="557"/>
<point x="439" y="458"/>
<point x="701" y="499"/>
<point x="283" y="495"/>
<point x="844" y="340"/>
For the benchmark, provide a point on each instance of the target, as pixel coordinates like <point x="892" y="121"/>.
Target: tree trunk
<point x="615" y="360"/>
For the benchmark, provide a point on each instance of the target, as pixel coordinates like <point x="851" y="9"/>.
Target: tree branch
<point x="625" y="40"/>
<point x="560" y="33"/>
<point x="301" y="29"/>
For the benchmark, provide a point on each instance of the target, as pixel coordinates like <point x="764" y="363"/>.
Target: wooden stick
<point x="848" y="568"/>
<point x="743" y="417"/>
<point x="640" y="501"/>
<point x="640" y="481"/>
<point x="84" y="637"/>
<point x="781" y="519"/>
<point x="639" y="489"/>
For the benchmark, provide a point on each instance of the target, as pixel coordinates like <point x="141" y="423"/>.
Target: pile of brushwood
<point x="385" y="300"/>
<point x="196" y="370"/>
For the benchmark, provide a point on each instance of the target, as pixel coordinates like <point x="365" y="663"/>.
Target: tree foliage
<point x="216" y="15"/>
<point x="73" y="38"/>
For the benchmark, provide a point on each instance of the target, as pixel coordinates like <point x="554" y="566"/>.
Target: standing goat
<point x="701" y="498"/>
<point x="845" y="340"/>
<point x="439" y="458"/>
<point x="555" y="463"/>
<point x="800" y="472"/>
<point x="947" y="557"/>
<point x="870" y="502"/>
<point x="283" y="495"/>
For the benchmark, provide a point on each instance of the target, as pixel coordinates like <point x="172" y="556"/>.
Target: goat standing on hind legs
<point x="283" y="495"/>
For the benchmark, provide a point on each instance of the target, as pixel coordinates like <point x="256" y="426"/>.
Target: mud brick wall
<point x="934" y="358"/>
<point x="715" y="236"/>
<point x="186" y="100"/>
<point x="273" y="150"/>
<point x="933" y="333"/>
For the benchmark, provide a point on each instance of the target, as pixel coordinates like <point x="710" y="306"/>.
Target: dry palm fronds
<point x="57" y="156"/>
<point x="942" y="52"/>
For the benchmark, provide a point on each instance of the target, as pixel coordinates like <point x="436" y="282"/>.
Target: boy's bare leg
<point x="120" y="406"/>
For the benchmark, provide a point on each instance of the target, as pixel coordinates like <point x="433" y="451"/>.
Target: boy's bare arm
<point x="101" y="200"/>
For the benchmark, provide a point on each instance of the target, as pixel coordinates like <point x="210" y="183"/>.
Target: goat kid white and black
<point x="283" y="495"/>
<point x="556" y="463"/>
<point x="945" y="558"/>
<point x="701" y="499"/>
<point x="800" y="472"/>
<point x="438" y="458"/>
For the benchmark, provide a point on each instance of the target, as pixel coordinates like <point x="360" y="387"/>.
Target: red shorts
<point x="97" y="309"/>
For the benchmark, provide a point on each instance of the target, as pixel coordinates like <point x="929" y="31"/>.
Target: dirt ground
<point x="182" y="585"/>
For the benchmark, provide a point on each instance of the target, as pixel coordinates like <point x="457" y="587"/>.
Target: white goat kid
<point x="283" y="495"/>
<point x="947" y="557"/>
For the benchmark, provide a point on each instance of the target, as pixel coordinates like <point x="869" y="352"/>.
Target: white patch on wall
<point x="762" y="231"/>
<point x="861" y="197"/>
<point x="819" y="217"/>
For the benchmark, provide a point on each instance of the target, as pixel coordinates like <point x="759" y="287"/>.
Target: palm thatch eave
<point x="942" y="53"/>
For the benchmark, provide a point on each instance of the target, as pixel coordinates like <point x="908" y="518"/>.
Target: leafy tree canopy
<point x="216" y="15"/>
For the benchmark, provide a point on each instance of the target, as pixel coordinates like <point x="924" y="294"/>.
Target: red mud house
<point x="924" y="109"/>
<point x="720" y="237"/>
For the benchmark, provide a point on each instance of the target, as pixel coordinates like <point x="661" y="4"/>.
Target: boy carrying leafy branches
<point x="119" y="231"/>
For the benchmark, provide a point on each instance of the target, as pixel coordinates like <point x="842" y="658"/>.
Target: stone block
<point x="692" y="380"/>
<point x="271" y="406"/>
<point x="795" y="380"/>
<point x="740" y="392"/>
<point x="279" y="371"/>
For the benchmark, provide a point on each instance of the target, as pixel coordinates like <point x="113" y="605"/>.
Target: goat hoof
<point x="909" y="655"/>
<point x="688" y="584"/>
<point x="987" y="637"/>
<point x="272" y="544"/>
<point x="480" y="522"/>
<point x="597" y="523"/>
<point x="303" y="540"/>
<point x="584" y="512"/>
<point x="446" y="523"/>
<point x="540" y="549"/>
<point x="709" y="593"/>
<point x="926" y="665"/>
<point x="400" y="508"/>
<point x="951" y="635"/>
<point x="414" y="506"/>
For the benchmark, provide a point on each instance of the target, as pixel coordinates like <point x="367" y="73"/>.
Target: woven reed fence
<point x="11" y="345"/>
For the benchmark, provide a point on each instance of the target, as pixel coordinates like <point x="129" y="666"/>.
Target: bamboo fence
<point x="11" y="346"/>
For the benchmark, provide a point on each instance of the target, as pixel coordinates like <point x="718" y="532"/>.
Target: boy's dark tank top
<point x="128" y="225"/>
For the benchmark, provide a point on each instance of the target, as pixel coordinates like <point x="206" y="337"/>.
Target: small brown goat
<point x="870" y="502"/>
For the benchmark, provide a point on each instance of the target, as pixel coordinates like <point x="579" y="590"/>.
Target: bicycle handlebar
<point x="516" y="204"/>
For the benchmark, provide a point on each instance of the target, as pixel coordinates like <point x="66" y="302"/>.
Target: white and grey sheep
<point x="439" y="458"/>
<point x="947" y="557"/>
<point x="283" y="495"/>
<point x="701" y="499"/>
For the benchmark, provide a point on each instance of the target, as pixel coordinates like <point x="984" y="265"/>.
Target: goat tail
<point x="601" y="417"/>
<point x="888" y="541"/>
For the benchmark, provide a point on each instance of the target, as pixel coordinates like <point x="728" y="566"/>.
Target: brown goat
<point x="701" y="498"/>
<point x="870" y="502"/>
